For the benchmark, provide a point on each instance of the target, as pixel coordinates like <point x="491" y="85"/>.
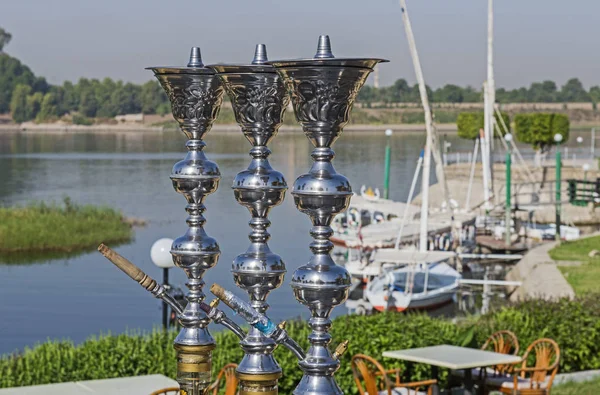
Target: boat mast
<point x="431" y="142"/>
<point x="489" y="103"/>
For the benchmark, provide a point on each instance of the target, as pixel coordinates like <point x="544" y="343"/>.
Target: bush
<point x="538" y="129"/>
<point x="40" y="227"/>
<point x="81" y="120"/>
<point x="469" y="124"/>
<point x="575" y="325"/>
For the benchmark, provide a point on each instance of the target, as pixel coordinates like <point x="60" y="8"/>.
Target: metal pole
<point x="485" y="301"/>
<point x="508" y="204"/>
<point x="388" y="159"/>
<point x="558" y="198"/>
<point x="470" y="187"/>
<point x="165" y="315"/>
<point x="409" y="199"/>
<point x="431" y="136"/>
<point x="593" y="145"/>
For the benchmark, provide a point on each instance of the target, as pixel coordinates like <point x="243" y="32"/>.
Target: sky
<point x="534" y="39"/>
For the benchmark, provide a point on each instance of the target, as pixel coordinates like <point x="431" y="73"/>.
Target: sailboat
<point x="402" y="280"/>
<point x="414" y="287"/>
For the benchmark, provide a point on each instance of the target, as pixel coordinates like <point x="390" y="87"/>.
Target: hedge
<point x="575" y="325"/>
<point x="538" y="129"/>
<point x="469" y="124"/>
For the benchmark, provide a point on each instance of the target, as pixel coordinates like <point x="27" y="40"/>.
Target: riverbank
<point x="40" y="228"/>
<point x="31" y="128"/>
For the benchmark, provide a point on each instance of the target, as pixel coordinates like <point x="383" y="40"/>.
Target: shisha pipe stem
<point x="219" y="317"/>
<point x="245" y="310"/>
<point x="136" y="274"/>
<point x="258" y="320"/>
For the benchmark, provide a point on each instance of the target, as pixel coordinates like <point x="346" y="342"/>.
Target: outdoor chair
<point x="502" y="342"/>
<point x="368" y="371"/>
<point x="167" y="391"/>
<point x="537" y="371"/>
<point x="227" y="377"/>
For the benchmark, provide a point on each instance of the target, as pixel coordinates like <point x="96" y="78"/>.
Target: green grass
<point x="584" y="278"/>
<point x="41" y="228"/>
<point x="577" y="250"/>
<point x="588" y="388"/>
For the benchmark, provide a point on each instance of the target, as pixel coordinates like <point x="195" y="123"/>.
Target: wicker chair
<point x="167" y="391"/>
<point x="502" y="342"/>
<point x="226" y="376"/>
<point x="537" y="379"/>
<point x="377" y="382"/>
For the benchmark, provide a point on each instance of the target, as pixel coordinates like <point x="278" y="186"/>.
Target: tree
<point x="470" y="123"/>
<point x="103" y="91"/>
<point x="12" y="73"/>
<point x="34" y="104"/>
<point x="18" y="103"/>
<point x="595" y="93"/>
<point x="543" y="92"/>
<point x="5" y="38"/>
<point x="70" y="98"/>
<point x="573" y="91"/>
<point x="152" y="96"/>
<point x="538" y="129"/>
<point x="449" y="94"/>
<point x="88" y="105"/>
<point x="399" y="91"/>
<point x="126" y="98"/>
<point x="49" y="108"/>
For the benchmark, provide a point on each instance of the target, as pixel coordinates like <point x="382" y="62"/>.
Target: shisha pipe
<point x="264" y="324"/>
<point x="138" y="275"/>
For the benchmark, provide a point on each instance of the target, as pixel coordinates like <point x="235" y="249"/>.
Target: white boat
<point x="372" y="222"/>
<point x="419" y="286"/>
<point x="402" y="280"/>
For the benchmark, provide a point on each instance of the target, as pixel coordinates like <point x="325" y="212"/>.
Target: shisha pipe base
<point x="194" y="364"/>
<point x="253" y="384"/>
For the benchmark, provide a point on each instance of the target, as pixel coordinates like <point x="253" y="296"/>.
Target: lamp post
<point x="388" y="160"/>
<point x="508" y="206"/>
<point x="579" y="141"/>
<point x="160" y="253"/>
<point x="558" y="139"/>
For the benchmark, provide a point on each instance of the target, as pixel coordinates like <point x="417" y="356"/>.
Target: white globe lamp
<point x="160" y="253"/>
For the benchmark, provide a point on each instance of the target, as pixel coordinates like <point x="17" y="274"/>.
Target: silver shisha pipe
<point x="195" y="93"/>
<point x="259" y="99"/>
<point x="323" y="90"/>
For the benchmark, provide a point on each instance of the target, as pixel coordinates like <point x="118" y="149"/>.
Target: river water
<point x="85" y="295"/>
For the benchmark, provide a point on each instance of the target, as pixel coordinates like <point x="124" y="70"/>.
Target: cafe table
<point x="455" y="358"/>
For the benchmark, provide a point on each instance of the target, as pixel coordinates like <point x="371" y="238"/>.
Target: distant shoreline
<point x="223" y="128"/>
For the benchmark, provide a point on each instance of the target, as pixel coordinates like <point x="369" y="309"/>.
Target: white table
<point x="455" y="358"/>
<point x="138" y="385"/>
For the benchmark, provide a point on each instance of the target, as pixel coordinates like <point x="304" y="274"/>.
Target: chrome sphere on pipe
<point x="259" y="100"/>
<point x="322" y="90"/>
<point x="195" y="93"/>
